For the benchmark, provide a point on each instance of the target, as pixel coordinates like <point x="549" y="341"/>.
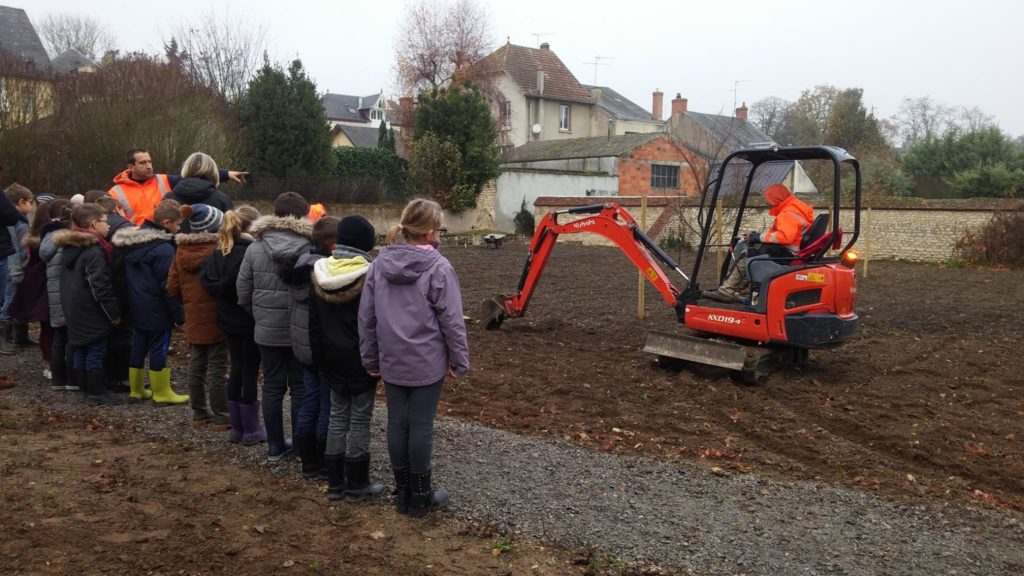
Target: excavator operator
<point x="792" y="218"/>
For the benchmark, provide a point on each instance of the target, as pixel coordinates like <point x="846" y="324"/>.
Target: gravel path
<point x="674" y="515"/>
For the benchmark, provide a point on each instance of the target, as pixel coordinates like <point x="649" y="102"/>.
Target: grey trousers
<point x="411" y="412"/>
<point x="348" y="433"/>
<point x="207" y="371"/>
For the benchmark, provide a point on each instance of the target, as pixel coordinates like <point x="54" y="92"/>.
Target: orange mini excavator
<point x="797" y="303"/>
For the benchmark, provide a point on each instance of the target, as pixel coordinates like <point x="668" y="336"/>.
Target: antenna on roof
<point x="597" y="62"/>
<point x="735" y="90"/>
<point x="538" y="35"/>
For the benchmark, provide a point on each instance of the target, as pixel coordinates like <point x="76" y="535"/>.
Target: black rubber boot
<point x="97" y="393"/>
<point x="423" y="498"/>
<point x="21" y="337"/>
<point x="78" y="381"/>
<point x="306" y="447"/>
<point x="401" y="492"/>
<point x="321" y="459"/>
<point x="357" y="479"/>
<point x="335" y="477"/>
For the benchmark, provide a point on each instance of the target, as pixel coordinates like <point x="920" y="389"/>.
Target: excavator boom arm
<point x="608" y="220"/>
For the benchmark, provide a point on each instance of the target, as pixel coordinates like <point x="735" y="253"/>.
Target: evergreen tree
<point x="285" y="123"/>
<point x="459" y="119"/>
<point x="382" y="135"/>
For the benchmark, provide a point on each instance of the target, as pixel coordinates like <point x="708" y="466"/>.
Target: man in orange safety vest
<point x="139" y="190"/>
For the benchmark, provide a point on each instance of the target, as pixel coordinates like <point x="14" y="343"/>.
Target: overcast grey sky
<point x="959" y="53"/>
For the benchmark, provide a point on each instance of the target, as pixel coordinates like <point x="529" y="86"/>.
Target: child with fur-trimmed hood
<point x="145" y="255"/>
<point x="334" y="333"/>
<point x="281" y="237"/>
<point x="208" y="349"/>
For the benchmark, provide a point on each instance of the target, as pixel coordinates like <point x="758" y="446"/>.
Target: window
<point x="376" y="114"/>
<point x="565" y="117"/>
<point x="664" y="176"/>
<point x="505" y="115"/>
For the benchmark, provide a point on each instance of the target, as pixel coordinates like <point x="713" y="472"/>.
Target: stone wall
<point x="905" y="229"/>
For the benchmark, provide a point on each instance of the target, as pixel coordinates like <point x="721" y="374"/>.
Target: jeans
<point x="92" y="357"/>
<point x="152" y="344"/>
<point x="281" y="373"/>
<point x="349" y="430"/>
<point x="6" y="288"/>
<point x="245" y="368"/>
<point x="411" y="411"/>
<point x="315" y="412"/>
<point x="207" y="370"/>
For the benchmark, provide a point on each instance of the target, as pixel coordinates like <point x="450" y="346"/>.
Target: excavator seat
<point x="815" y="242"/>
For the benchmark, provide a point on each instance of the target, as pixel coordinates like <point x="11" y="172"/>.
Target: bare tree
<point x="439" y="40"/>
<point x="218" y="51"/>
<point x="769" y="114"/>
<point x="973" y="119"/>
<point x="60" y="32"/>
<point x="923" y="118"/>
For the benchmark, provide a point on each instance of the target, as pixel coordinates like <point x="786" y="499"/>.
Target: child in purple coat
<point x="412" y="334"/>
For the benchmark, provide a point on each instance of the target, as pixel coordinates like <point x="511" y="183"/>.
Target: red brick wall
<point x="635" y="169"/>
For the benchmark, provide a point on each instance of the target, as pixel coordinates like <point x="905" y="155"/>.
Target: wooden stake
<point x="641" y="281"/>
<point x="867" y="240"/>
<point x="718" y="226"/>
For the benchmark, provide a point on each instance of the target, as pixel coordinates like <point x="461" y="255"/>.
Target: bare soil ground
<point x="925" y="402"/>
<point x="90" y="496"/>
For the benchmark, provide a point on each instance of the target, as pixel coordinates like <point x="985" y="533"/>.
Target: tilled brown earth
<point x="924" y="402"/>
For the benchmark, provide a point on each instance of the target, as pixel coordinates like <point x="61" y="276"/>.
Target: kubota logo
<point x="724" y="319"/>
<point x="580" y="224"/>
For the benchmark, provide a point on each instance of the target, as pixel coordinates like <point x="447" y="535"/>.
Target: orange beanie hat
<point x="316" y="212"/>
<point x="776" y="193"/>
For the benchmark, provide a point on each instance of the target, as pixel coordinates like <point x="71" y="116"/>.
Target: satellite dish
<point x="535" y="128"/>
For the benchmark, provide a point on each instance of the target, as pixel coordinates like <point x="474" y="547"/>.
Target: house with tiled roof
<point x="26" y="87"/>
<point x="534" y="96"/>
<point x="617" y="115"/>
<point x="354" y="120"/>
<point x="72" y="61"/>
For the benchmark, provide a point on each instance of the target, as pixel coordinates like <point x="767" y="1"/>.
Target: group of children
<point x="306" y="301"/>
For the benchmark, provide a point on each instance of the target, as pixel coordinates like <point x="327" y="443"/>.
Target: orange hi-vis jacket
<point x="139" y="199"/>
<point x="792" y="218"/>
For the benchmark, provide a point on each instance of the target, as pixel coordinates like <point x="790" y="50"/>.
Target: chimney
<point x="545" y="46"/>
<point x="656" y="105"/>
<point x="678" y="104"/>
<point x="741" y="112"/>
<point x="540" y="81"/>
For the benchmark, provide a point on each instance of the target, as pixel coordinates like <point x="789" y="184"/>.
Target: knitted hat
<point x="44" y="198"/>
<point x="776" y="193"/>
<point x="356" y="232"/>
<point x="202" y="218"/>
<point x="291" y="204"/>
<point x="78" y="199"/>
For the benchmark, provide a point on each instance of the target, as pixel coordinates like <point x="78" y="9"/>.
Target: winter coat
<point x="147" y="254"/>
<point x="117" y="223"/>
<point x="198" y="191"/>
<point x="219" y="276"/>
<point x="139" y="199"/>
<point x="51" y="254"/>
<point x="411" y="328"/>
<point x="792" y="218"/>
<point x="17" y="259"/>
<point x="334" y="317"/>
<point x="86" y="290"/>
<point x="29" y="303"/>
<point x="260" y="290"/>
<point x="296" y="274"/>
<point x="183" y="285"/>
<point x="9" y="216"/>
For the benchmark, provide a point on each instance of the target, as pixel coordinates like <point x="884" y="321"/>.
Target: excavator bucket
<point x="492" y="312"/>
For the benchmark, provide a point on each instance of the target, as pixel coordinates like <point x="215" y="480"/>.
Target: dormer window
<point x="376" y="114"/>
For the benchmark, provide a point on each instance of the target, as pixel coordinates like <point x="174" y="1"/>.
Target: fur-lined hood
<point x="129" y="237"/>
<point x="74" y="239"/>
<point x="340" y="280"/>
<point x="195" y="238"/>
<point x="299" y="226"/>
<point x="285" y="238"/>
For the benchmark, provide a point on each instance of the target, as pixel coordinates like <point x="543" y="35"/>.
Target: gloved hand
<point x="754" y="238"/>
